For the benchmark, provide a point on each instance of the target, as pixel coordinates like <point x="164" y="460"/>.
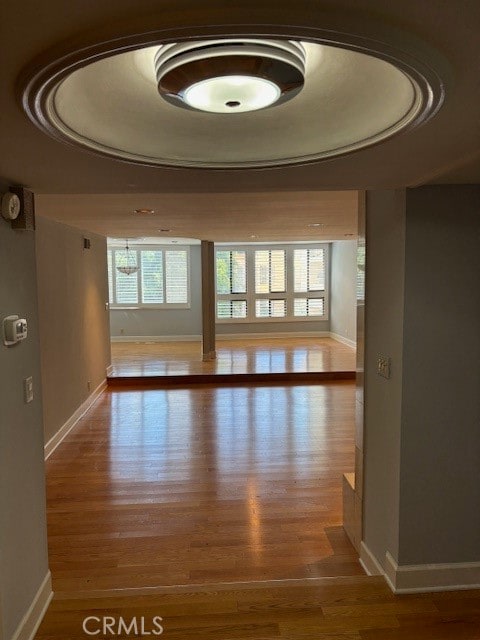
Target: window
<point x="162" y="279"/>
<point x="260" y="283"/>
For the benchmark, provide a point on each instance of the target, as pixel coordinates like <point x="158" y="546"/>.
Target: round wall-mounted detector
<point x="10" y="206"/>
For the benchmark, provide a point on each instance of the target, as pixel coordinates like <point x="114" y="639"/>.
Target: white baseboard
<point x="238" y="336"/>
<point x="31" y="620"/>
<point x="109" y="370"/>
<point x="273" y="334"/>
<point x="369" y="562"/>
<point x="423" y="578"/>
<point x="186" y="338"/>
<point x="339" y="338"/>
<point x="64" y="430"/>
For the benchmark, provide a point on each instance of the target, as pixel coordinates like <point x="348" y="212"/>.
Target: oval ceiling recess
<point x="231" y="103"/>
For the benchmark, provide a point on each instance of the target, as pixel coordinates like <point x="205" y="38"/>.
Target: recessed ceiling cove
<point x="231" y="103"/>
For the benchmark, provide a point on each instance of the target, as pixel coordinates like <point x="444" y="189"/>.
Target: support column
<point x="208" y="301"/>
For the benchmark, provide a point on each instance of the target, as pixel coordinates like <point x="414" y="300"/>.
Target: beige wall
<point x="74" y="323"/>
<point x="23" y="546"/>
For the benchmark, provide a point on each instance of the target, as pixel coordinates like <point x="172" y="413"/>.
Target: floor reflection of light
<point x="145" y="438"/>
<point x="254" y="517"/>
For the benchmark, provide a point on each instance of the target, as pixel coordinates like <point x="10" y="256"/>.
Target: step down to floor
<point x="303" y="377"/>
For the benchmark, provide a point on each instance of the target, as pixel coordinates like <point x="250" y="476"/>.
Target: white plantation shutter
<point x="270" y="271"/>
<point x="231" y="269"/>
<point x="176" y="276"/>
<point x="270" y="308"/>
<point x="309" y="278"/>
<point x="308" y="307"/>
<point x="152" y="277"/>
<point x="228" y="309"/>
<point x="126" y="286"/>
<point x="162" y="278"/>
<point x="309" y="270"/>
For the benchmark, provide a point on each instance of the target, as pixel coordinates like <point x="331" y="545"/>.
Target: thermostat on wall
<point x="14" y="330"/>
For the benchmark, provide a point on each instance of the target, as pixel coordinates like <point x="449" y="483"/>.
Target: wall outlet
<point x="28" y="389"/>
<point x="383" y="366"/>
<point x="122" y="332"/>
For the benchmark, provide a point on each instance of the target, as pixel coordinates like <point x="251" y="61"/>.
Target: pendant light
<point x="130" y="262"/>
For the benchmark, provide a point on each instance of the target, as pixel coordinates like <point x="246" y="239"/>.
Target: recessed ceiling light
<point x="316" y="224"/>
<point x="145" y="212"/>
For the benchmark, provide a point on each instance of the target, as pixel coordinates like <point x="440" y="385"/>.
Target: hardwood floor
<point x="224" y="491"/>
<point x="209" y="484"/>
<point x="274" y="355"/>
<point x="353" y="608"/>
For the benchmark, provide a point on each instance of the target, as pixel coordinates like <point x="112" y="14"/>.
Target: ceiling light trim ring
<point x="38" y="87"/>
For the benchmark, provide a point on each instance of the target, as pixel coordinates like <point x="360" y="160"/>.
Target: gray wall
<point x="74" y="331"/>
<point x="440" y="483"/>
<point x="422" y="436"/>
<point x="343" y="289"/>
<point x="164" y="322"/>
<point x="23" y="546"/>
<point x="385" y="259"/>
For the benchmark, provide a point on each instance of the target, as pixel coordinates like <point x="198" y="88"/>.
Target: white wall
<point x="343" y="290"/>
<point x="23" y="545"/>
<point x="74" y="330"/>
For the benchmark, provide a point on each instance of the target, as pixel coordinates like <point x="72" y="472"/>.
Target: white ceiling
<point x="444" y="150"/>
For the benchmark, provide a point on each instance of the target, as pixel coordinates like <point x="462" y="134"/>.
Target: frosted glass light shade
<point x="232" y="94"/>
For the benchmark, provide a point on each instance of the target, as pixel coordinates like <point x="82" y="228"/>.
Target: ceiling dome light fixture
<point x="230" y="76"/>
<point x="208" y="101"/>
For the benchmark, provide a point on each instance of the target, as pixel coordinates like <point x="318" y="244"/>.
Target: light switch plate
<point x="383" y="366"/>
<point x="28" y="389"/>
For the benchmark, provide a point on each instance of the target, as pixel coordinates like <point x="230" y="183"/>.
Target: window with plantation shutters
<point x="309" y="282"/>
<point x="162" y="278"/>
<point x="260" y="283"/>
